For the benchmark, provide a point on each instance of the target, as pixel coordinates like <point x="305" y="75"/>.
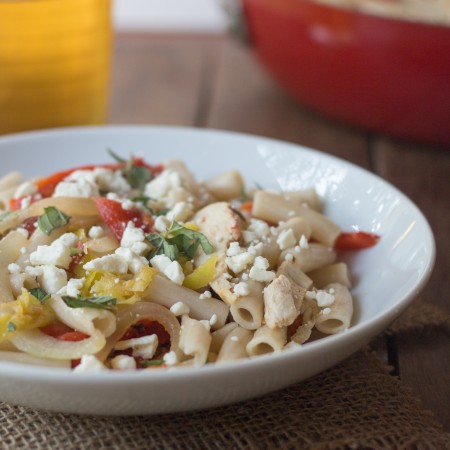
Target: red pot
<point x="382" y="74"/>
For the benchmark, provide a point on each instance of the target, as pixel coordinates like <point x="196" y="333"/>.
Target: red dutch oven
<point x="382" y="74"/>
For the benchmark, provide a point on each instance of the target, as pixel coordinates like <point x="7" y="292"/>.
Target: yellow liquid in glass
<point x="54" y="63"/>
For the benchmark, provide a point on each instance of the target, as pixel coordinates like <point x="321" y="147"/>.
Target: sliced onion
<point x="24" y="358"/>
<point x="37" y="343"/>
<point x="129" y="315"/>
<point x="86" y="320"/>
<point x="73" y="206"/>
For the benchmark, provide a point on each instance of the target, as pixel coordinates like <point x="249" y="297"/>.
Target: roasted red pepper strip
<point x="146" y="327"/>
<point x="63" y="332"/>
<point x="117" y="218"/>
<point x="355" y="240"/>
<point x="46" y="186"/>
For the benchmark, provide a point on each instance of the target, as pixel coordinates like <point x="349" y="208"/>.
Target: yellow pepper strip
<point x="126" y="292"/>
<point x="22" y="314"/>
<point x="202" y="275"/>
<point x="191" y="226"/>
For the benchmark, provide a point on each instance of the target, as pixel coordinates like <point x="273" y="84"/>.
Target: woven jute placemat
<point x="355" y="405"/>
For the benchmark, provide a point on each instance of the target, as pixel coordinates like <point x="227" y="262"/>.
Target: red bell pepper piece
<point x="117" y="218"/>
<point x="46" y="186"/>
<point x="63" y="332"/>
<point x="355" y="240"/>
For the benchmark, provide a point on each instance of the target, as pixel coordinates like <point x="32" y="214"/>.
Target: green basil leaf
<point x="116" y="156"/>
<point x="102" y="302"/>
<point x="150" y="363"/>
<point x="40" y="294"/>
<point x="51" y="219"/>
<point x="137" y="176"/>
<point x="5" y="214"/>
<point x="177" y="229"/>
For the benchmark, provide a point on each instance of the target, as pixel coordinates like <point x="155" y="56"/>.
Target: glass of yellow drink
<point x="54" y="63"/>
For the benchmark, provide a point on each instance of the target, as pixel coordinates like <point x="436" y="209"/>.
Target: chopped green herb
<point x="144" y="200"/>
<point x="51" y="219"/>
<point x="116" y="156"/>
<point x="40" y="294"/>
<point x="76" y="251"/>
<point x="154" y="362"/>
<point x="176" y="229"/>
<point x="102" y="302"/>
<point x="137" y="176"/>
<point x="162" y="247"/>
<point x="177" y="240"/>
<point x="11" y="327"/>
<point x="5" y="214"/>
<point x="244" y="195"/>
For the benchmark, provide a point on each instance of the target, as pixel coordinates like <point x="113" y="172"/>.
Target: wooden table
<point x="215" y="82"/>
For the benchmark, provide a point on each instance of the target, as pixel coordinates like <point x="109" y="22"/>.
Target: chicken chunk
<point x="282" y="301"/>
<point x="221" y="224"/>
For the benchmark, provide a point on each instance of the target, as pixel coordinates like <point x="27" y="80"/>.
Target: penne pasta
<point x="248" y="311"/>
<point x="274" y="208"/>
<point x="334" y="273"/>
<point x="195" y="339"/>
<point x="337" y="316"/>
<point x="165" y="293"/>
<point x="235" y="345"/>
<point x="266" y="340"/>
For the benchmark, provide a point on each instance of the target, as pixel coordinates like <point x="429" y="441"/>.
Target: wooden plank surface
<point x="215" y="82"/>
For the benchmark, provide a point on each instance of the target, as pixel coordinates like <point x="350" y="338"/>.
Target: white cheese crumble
<point x="132" y="235"/>
<point x="179" y="308"/>
<point x="213" y="320"/>
<point x="123" y="362"/>
<point x="89" y="363"/>
<point x="52" y="279"/>
<point x="134" y="262"/>
<point x="241" y="289"/>
<point x="96" y="232"/>
<point x="108" y="263"/>
<point x="79" y="188"/>
<point x="161" y="186"/>
<point x="55" y="254"/>
<point x="111" y="181"/>
<point x="323" y="299"/>
<point x="73" y="287"/>
<point x="171" y="269"/>
<point x="170" y="358"/>
<point x="14" y="268"/>
<point x="144" y="347"/>
<point x="206" y="294"/>
<point x="259" y="270"/>
<point x="303" y="242"/>
<point x="286" y="239"/>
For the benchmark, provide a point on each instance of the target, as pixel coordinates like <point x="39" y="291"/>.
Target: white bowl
<point x="388" y="276"/>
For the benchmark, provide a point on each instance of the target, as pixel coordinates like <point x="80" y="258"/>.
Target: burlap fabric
<point x="356" y="405"/>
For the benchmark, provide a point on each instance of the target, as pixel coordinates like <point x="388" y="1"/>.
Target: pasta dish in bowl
<point x="199" y="259"/>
